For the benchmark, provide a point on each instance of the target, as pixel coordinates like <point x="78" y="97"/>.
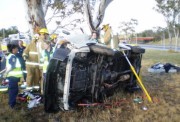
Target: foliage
<point x="69" y="14"/>
<point x="5" y="32"/>
<point x="170" y="9"/>
<point x="158" y="33"/>
<point x="128" y="27"/>
<point x="65" y="9"/>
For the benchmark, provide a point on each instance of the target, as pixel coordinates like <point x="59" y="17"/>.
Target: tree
<point x="128" y="28"/>
<point x="35" y="15"/>
<point x="95" y="16"/>
<point x="62" y="9"/>
<point x="11" y="30"/>
<point x="170" y="9"/>
<point x="66" y="14"/>
<point x="159" y="34"/>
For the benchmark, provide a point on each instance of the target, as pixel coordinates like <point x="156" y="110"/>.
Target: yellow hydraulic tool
<point x="139" y="80"/>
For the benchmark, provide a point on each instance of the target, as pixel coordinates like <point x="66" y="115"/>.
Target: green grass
<point x="164" y="88"/>
<point x="155" y="56"/>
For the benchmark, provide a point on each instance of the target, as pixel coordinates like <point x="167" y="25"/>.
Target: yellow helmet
<point x="43" y="31"/>
<point x="105" y="27"/>
<point x="53" y="36"/>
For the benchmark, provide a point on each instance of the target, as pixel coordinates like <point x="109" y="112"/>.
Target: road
<point x="155" y="47"/>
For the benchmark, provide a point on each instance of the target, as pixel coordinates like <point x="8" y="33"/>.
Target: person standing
<point x="53" y="39"/>
<point x="13" y="73"/>
<point x="32" y="56"/>
<point x="108" y="38"/>
<point x="94" y="36"/>
<point x="47" y="54"/>
<point x="21" y="49"/>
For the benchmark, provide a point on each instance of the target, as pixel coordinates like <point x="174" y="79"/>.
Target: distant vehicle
<point x="13" y="39"/>
<point x="2" y="60"/>
<point x="14" y="36"/>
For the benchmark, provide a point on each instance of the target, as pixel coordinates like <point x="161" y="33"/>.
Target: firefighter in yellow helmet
<point x="32" y="56"/>
<point x="53" y="39"/>
<point x="107" y="38"/>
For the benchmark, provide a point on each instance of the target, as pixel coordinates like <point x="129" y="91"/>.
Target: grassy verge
<point x="164" y="89"/>
<point x="154" y="56"/>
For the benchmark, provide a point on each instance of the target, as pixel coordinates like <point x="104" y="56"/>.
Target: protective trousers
<point x="13" y="90"/>
<point x="33" y="76"/>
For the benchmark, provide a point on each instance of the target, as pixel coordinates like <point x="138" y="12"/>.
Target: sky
<point x="13" y="14"/>
<point x="141" y="10"/>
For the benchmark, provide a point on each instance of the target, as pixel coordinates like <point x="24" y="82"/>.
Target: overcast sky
<point x="142" y="10"/>
<point x="13" y="14"/>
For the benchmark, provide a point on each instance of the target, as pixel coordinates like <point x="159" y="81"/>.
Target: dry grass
<point x="164" y="89"/>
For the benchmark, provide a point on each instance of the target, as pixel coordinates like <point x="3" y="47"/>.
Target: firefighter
<point x="107" y="38"/>
<point x="53" y="38"/>
<point x="32" y="56"/>
<point x="13" y="73"/>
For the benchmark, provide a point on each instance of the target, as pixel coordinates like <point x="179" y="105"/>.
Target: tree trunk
<point x="176" y="33"/>
<point x="95" y="19"/>
<point x="35" y="15"/>
<point x="100" y="7"/>
<point x="88" y="15"/>
<point x="170" y="38"/>
<point x="164" y="40"/>
<point x="45" y="5"/>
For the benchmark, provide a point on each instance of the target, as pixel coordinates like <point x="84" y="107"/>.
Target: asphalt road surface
<point x="155" y="47"/>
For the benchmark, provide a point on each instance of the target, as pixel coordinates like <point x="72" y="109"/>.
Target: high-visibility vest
<point x="16" y="72"/>
<point x="45" y="59"/>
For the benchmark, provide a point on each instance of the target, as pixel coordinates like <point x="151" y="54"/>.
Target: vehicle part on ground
<point x="86" y="72"/>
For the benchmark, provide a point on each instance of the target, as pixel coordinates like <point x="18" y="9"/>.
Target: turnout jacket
<point x="32" y="52"/>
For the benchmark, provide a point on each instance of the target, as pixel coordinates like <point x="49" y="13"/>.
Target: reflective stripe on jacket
<point x="16" y="72"/>
<point x="32" y="54"/>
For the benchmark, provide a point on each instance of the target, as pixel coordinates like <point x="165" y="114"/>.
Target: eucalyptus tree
<point x="170" y="9"/>
<point x="91" y="11"/>
<point x="128" y="28"/>
<point x="159" y="33"/>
